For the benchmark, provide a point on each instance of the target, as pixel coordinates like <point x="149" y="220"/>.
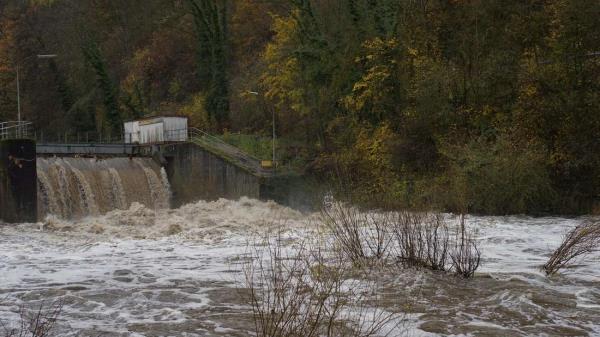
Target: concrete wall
<point x="295" y="191"/>
<point x="18" y="181"/>
<point x="196" y="174"/>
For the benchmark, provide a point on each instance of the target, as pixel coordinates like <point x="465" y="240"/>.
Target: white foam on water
<point x="138" y="267"/>
<point x="166" y="185"/>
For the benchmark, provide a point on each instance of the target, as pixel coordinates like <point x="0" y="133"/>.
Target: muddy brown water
<point x="141" y="272"/>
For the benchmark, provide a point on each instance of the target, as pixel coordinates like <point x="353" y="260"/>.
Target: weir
<point x="76" y="180"/>
<point x="72" y="188"/>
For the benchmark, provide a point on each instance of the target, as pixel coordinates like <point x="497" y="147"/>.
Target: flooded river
<point x="145" y="272"/>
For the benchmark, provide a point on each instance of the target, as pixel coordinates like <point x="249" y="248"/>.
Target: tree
<point x="106" y="86"/>
<point x="210" y="20"/>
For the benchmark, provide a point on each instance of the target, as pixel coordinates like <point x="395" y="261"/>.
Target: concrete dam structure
<point x="198" y="174"/>
<point x="71" y="185"/>
<point x="76" y="180"/>
<point x="18" y="202"/>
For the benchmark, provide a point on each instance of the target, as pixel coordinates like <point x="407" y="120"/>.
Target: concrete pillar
<point x="18" y="181"/>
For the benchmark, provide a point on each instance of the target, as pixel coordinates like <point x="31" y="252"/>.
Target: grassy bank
<point x="288" y="154"/>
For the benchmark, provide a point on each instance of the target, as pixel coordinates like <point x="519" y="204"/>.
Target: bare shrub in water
<point x="417" y="239"/>
<point x="578" y="242"/>
<point x="436" y="241"/>
<point x="465" y="255"/>
<point x="298" y="292"/>
<point x="36" y="323"/>
<point x="409" y="239"/>
<point x="361" y="236"/>
<point x="422" y="239"/>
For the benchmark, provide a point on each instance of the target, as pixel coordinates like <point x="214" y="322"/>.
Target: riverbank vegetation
<point x="39" y="322"/>
<point x="579" y="242"/>
<point x="306" y="291"/>
<point x="323" y="285"/>
<point x="409" y="239"/>
<point x="468" y="106"/>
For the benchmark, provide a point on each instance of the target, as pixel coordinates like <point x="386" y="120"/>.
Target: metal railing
<point x="218" y="145"/>
<point x="91" y="137"/>
<point x="15" y="130"/>
<point x="22" y="129"/>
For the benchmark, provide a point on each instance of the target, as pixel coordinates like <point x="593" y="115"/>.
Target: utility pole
<point x="18" y="96"/>
<point x="274" y="165"/>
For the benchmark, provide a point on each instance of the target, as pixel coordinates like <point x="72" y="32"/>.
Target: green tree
<point x="210" y="21"/>
<point x="112" y="116"/>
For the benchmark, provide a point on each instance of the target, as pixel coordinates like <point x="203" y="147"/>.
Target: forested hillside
<point x="468" y="105"/>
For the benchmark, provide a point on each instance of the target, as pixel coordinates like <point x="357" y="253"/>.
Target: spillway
<point x="72" y="188"/>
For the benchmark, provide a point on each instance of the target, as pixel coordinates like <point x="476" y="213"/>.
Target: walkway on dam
<point x="108" y="149"/>
<point x="228" y="152"/>
<point x="198" y="137"/>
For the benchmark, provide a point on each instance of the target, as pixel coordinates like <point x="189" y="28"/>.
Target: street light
<point x="42" y="56"/>
<point x="255" y="93"/>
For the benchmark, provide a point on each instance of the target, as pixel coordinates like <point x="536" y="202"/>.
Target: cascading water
<point x="159" y="190"/>
<point x="48" y="202"/>
<point x="64" y="190"/>
<point x="120" y="200"/>
<point x="79" y="187"/>
<point x="86" y="194"/>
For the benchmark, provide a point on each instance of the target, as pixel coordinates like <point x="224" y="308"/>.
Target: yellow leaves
<point x="374" y="151"/>
<point x="530" y="90"/>
<point x="285" y="34"/>
<point x="377" y="46"/>
<point x="372" y="88"/>
<point x="488" y="110"/>
<point x="280" y="82"/>
<point x="141" y="56"/>
<point x="281" y="79"/>
<point x="376" y="89"/>
<point x="196" y="112"/>
<point x="413" y="52"/>
<point x="375" y="145"/>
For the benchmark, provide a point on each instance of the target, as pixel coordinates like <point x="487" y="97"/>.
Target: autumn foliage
<point x="472" y="106"/>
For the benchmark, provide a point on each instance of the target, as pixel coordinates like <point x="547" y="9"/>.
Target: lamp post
<point x="255" y="93"/>
<point x="41" y="56"/>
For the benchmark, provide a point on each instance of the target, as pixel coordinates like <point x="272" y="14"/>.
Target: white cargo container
<point x="158" y="129"/>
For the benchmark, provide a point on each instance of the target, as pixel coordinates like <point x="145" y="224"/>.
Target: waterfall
<point x="86" y="194"/>
<point x="158" y="190"/>
<point x="49" y="202"/>
<point x="64" y="190"/>
<point x="78" y="187"/>
<point x="167" y="186"/>
<point x="43" y="203"/>
<point x="118" y="193"/>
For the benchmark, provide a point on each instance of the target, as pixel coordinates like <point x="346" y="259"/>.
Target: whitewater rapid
<point x="147" y="272"/>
